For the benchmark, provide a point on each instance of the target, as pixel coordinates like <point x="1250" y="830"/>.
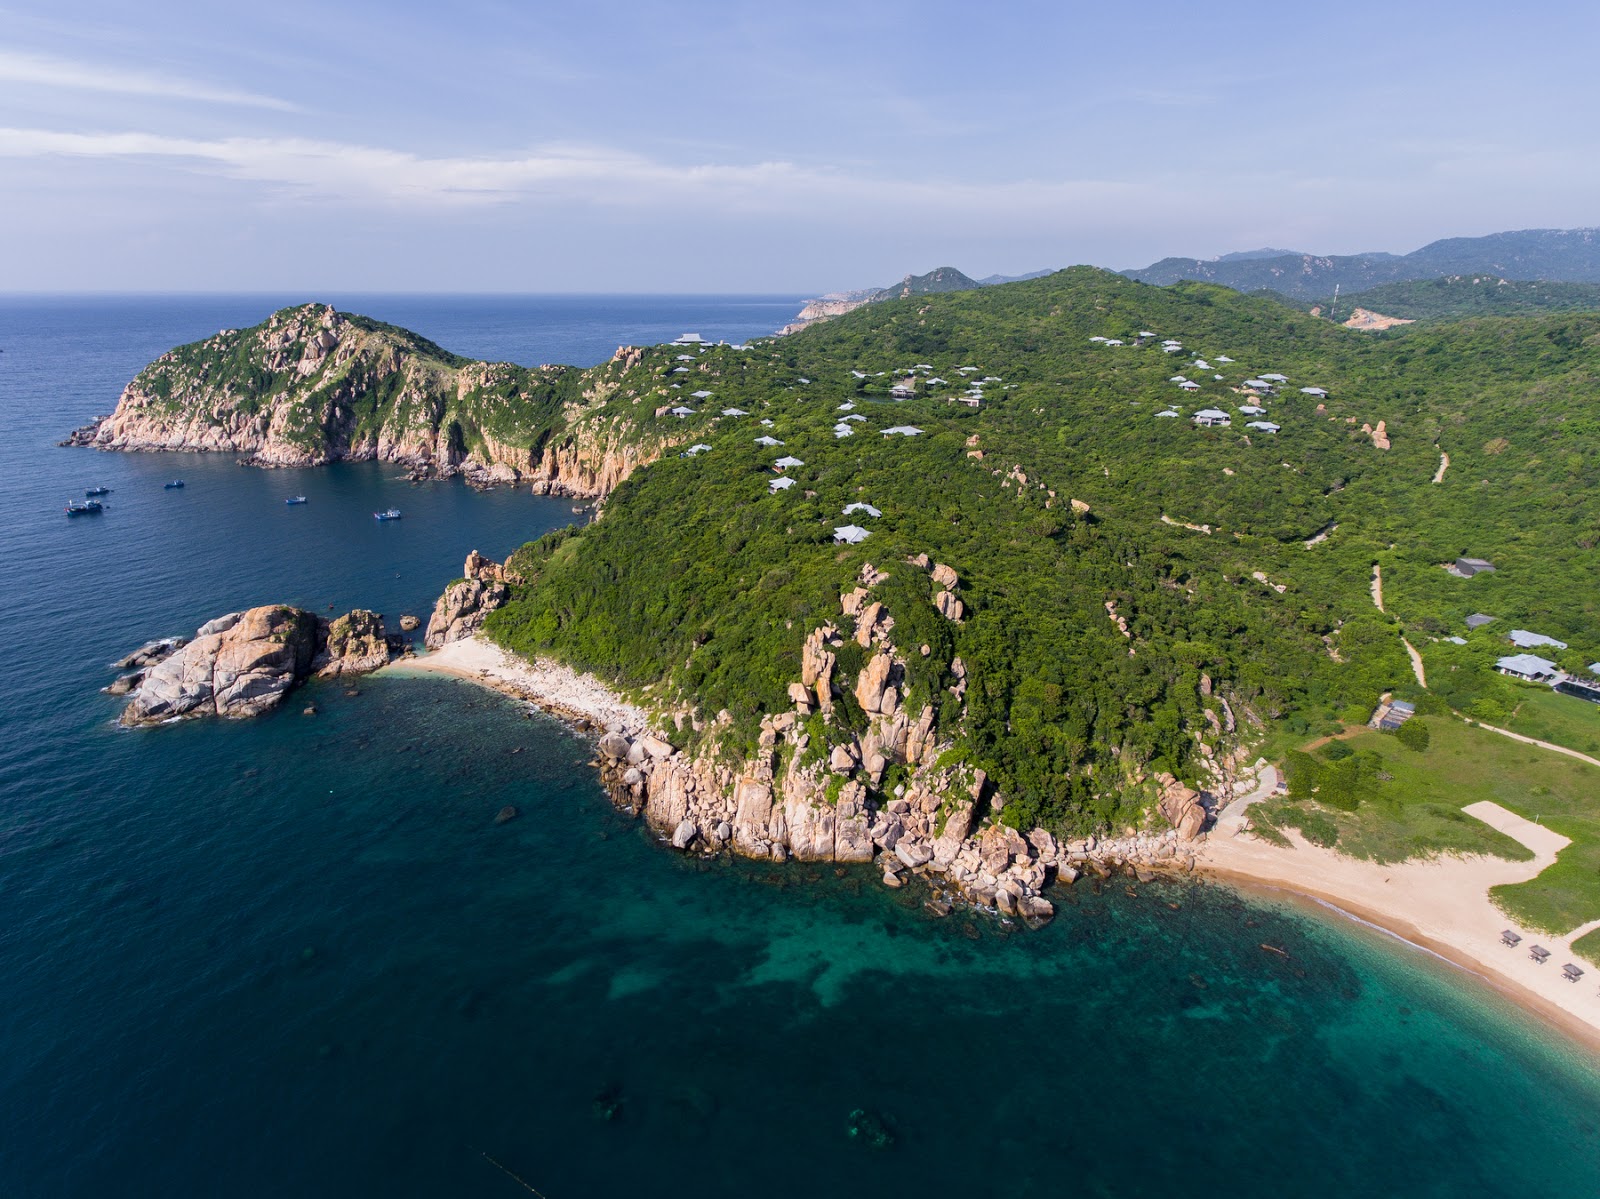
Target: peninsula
<point x="1009" y="583"/>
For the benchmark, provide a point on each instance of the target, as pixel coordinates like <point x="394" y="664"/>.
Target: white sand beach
<point x="1441" y="905"/>
<point x="562" y="690"/>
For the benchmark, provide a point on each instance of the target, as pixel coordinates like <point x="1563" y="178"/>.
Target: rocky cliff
<point x="879" y="785"/>
<point x="312" y="385"/>
<point x="466" y="603"/>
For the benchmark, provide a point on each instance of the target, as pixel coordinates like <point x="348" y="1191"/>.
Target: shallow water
<point x="297" y="955"/>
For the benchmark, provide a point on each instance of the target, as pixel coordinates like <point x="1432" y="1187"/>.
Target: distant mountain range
<point x="1459" y="264"/>
<point x="1558" y="255"/>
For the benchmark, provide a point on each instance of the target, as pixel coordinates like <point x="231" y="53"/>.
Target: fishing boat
<point x="387" y="514"/>
<point x="83" y="507"/>
<point x="94" y="491"/>
<point x="295" y="499"/>
<point x="175" y="483"/>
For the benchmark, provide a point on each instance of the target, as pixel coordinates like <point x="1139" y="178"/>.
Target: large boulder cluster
<point x="466" y="603"/>
<point x="245" y="663"/>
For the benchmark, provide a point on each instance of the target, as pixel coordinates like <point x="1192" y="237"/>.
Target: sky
<point x="502" y="146"/>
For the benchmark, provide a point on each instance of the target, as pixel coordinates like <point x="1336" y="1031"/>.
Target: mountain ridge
<point x="1555" y="255"/>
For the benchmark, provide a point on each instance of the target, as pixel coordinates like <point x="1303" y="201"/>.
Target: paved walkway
<point x="1233" y="815"/>
<point x="1545" y="843"/>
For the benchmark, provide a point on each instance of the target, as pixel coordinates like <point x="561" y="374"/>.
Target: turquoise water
<point x="297" y="956"/>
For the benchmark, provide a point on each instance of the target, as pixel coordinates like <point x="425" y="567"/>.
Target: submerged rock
<point x="869" y="1129"/>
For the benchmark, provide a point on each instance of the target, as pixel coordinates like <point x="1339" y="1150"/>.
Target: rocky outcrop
<point x="243" y="668"/>
<point x="466" y="603"/>
<point x="354" y="644"/>
<point x="1181" y="807"/>
<point x="244" y="663"/>
<point x="589" y="463"/>
<point x="817" y="789"/>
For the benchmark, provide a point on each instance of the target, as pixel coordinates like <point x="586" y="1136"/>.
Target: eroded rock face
<point x="873" y="686"/>
<point x="244" y="670"/>
<point x="462" y="609"/>
<point x="1182" y="808"/>
<point x="357" y="642"/>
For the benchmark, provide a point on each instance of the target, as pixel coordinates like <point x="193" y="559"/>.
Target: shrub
<point x="1413" y="734"/>
<point x="1319" y="829"/>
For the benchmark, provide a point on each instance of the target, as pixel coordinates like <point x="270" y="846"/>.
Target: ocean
<point x="297" y="956"/>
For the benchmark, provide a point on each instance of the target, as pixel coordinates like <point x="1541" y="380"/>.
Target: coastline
<point x="1441" y="907"/>
<point x="575" y="697"/>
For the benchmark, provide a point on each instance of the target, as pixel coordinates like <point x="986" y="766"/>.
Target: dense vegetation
<point x="1239" y="559"/>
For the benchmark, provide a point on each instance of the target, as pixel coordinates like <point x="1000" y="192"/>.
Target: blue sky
<point x="487" y="145"/>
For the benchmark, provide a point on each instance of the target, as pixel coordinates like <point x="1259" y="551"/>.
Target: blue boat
<point x="295" y="499"/>
<point x="173" y="484"/>
<point x="94" y="491"/>
<point x="387" y="514"/>
<point x="83" y="507"/>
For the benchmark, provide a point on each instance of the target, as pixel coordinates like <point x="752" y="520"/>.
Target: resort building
<point x="1208" y="418"/>
<point x="851" y="534"/>
<point x="1523" y="639"/>
<point x="1530" y="667"/>
<point x="1465" y="568"/>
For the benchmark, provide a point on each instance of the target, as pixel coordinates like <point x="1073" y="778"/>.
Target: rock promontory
<point x="466" y="603"/>
<point x="245" y="663"/>
<point x="312" y="385"/>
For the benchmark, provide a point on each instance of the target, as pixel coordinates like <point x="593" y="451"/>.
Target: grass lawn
<point x="1588" y="947"/>
<point x="1416" y="812"/>
<point x="1559" y="719"/>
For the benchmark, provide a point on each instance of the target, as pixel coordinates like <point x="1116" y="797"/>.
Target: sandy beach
<point x="1442" y="906"/>
<point x="556" y="688"/>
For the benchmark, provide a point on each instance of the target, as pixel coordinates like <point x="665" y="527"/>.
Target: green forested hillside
<point x="703" y="584"/>
<point x="1455" y="296"/>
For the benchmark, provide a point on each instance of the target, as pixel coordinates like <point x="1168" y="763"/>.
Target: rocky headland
<point x="814" y="790"/>
<point x="246" y="663"/>
<point x="312" y="385"/>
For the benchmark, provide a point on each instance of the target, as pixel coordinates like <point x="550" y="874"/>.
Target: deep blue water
<point x="296" y="955"/>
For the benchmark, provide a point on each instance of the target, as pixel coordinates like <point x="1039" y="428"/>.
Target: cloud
<point x="41" y="71"/>
<point x="314" y="169"/>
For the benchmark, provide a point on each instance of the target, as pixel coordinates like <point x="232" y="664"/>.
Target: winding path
<point x="1560" y="749"/>
<point x="1444" y="465"/>
<point x="1377" y="586"/>
<point x="1416" y="662"/>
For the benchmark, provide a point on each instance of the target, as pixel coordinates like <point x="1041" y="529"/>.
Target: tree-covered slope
<point x="310" y="384"/>
<point x="1456" y="296"/>
<point x="1100" y="646"/>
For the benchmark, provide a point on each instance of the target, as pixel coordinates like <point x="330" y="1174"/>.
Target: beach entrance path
<point x="1545" y="843"/>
